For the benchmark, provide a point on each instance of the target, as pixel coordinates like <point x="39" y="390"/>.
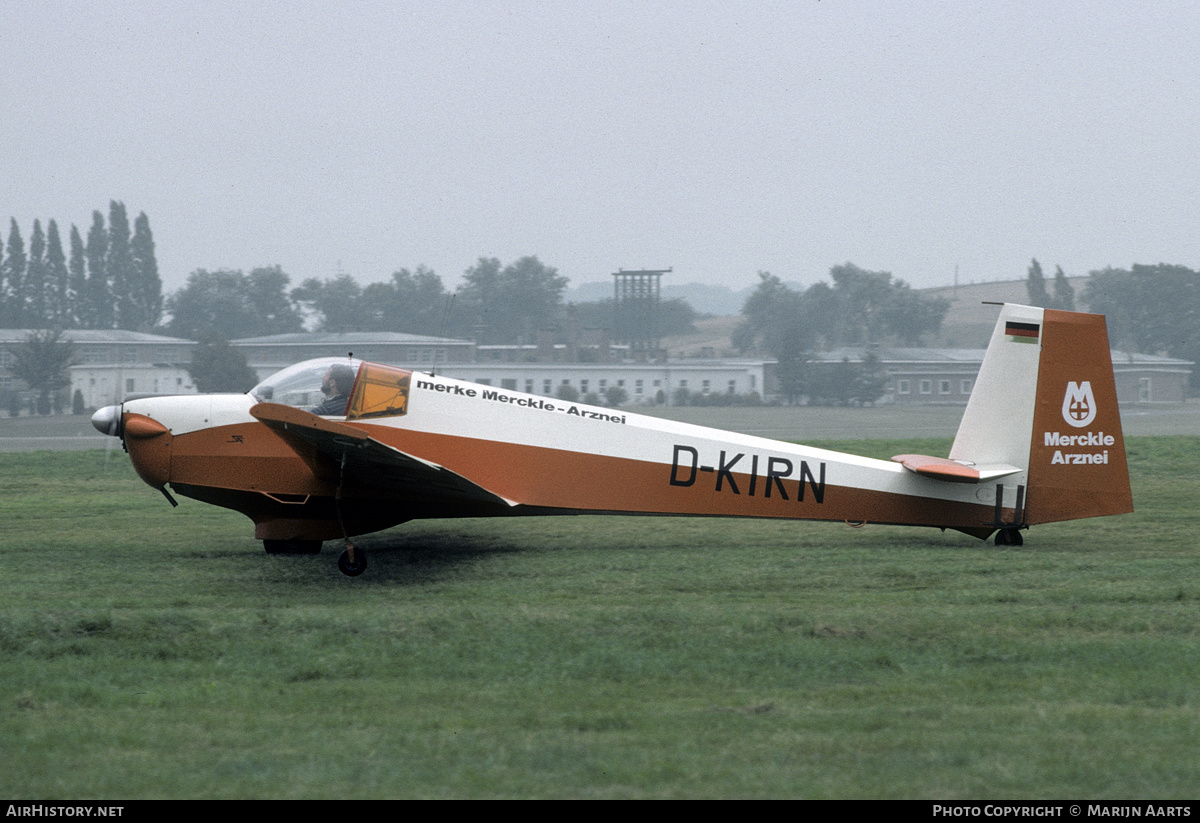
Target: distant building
<point x="1146" y="378"/>
<point x="946" y="376"/>
<point x="581" y="346"/>
<point x="642" y="382"/>
<point x="589" y="363"/>
<point x="267" y="355"/>
<point x="111" y="363"/>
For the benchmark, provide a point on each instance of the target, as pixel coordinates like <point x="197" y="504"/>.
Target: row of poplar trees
<point x="110" y="281"/>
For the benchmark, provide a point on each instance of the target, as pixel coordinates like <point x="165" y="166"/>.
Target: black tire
<point x="1009" y="537"/>
<point x="293" y="546"/>
<point x="357" y="567"/>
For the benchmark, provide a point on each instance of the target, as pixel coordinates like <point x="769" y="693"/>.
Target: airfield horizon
<point x="791" y="423"/>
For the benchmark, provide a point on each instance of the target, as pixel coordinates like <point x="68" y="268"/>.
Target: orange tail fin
<point x="1077" y="464"/>
<point x="1044" y="409"/>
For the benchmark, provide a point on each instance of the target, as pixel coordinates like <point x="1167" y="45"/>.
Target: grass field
<point x="150" y="652"/>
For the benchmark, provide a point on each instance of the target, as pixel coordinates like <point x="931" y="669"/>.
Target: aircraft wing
<point x="361" y="460"/>
<point x="954" y="471"/>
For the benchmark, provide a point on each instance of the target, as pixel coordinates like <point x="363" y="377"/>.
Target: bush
<point x="683" y="397"/>
<point x="615" y="395"/>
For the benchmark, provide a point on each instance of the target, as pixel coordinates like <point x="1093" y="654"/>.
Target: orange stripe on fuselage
<point x="562" y="479"/>
<point x="251" y="457"/>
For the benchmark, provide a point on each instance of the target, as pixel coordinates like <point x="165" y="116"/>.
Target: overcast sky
<point x="715" y="138"/>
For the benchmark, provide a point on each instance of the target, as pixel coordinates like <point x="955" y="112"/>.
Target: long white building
<point x="110" y="364"/>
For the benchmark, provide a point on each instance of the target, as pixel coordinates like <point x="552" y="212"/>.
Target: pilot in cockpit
<point x="336" y="386"/>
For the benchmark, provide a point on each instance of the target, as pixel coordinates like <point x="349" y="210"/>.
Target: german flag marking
<point x="1022" y="332"/>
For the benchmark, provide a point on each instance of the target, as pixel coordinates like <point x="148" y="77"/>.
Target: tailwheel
<point x="352" y="561"/>
<point x="1009" y="537"/>
<point x="292" y="546"/>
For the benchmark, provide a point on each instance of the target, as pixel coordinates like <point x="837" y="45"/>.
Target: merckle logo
<point x="1079" y="404"/>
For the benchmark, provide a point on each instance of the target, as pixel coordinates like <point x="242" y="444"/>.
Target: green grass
<point x="151" y="652"/>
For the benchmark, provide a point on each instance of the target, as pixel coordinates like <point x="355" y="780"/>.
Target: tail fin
<point x="1046" y="401"/>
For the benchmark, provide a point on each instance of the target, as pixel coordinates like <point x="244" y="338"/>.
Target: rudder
<point x="1045" y="402"/>
<point x="1077" y="465"/>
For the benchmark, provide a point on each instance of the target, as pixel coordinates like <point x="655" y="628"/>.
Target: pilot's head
<point x="337" y="381"/>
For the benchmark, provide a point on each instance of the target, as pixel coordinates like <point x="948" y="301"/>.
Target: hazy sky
<point x="365" y="137"/>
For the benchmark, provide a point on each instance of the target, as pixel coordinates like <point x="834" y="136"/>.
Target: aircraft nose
<point x="108" y="421"/>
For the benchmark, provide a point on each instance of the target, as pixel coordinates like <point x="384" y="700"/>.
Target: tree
<point x="871" y="380"/>
<point x="338" y="303"/>
<point x="412" y="302"/>
<point x="58" y="282"/>
<point x="98" y="310"/>
<point x="476" y="299"/>
<point x="42" y="361"/>
<point x="1037" y="294"/>
<point x="510" y="305"/>
<point x="1064" y="293"/>
<point x="833" y="384"/>
<point x="766" y="315"/>
<point x="907" y="316"/>
<point x="119" y="266"/>
<point x="267" y="292"/>
<point x="229" y="304"/>
<point x="144" y="298"/>
<point x="615" y="396"/>
<point x="861" y="307"/>
<point x="1150" y="309"/>
<point x="77" y="275"/>
<point x="847" y="383"/>
<point x="34" y="289"/>
<point x="868" y="307"/>
<point x="12" y="274"/>
<point x="776" y="321"/>
<point x="862" y="299"/>
<point x="1035" y="285"/>
<point x="664" y="318"/>
<point x="793" y="350"/>
<point x="218" y="367"/>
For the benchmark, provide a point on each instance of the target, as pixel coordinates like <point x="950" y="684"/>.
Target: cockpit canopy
<point x="378" y="390"/>
<point x="300" y="385"/>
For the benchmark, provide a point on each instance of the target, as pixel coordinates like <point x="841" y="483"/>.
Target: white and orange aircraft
<point x="1040" y="441"/>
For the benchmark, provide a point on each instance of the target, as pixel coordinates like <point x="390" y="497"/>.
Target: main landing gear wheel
<point x="355" y="567"/>
<point x="1009" y="537"/>
<point x="293" y="546"/>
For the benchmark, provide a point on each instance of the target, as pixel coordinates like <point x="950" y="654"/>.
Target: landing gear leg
<point x="1009" y="534"/>
<point x="352" y="561"/>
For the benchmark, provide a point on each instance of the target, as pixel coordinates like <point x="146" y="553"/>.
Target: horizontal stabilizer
<point x="953" y="471"/>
